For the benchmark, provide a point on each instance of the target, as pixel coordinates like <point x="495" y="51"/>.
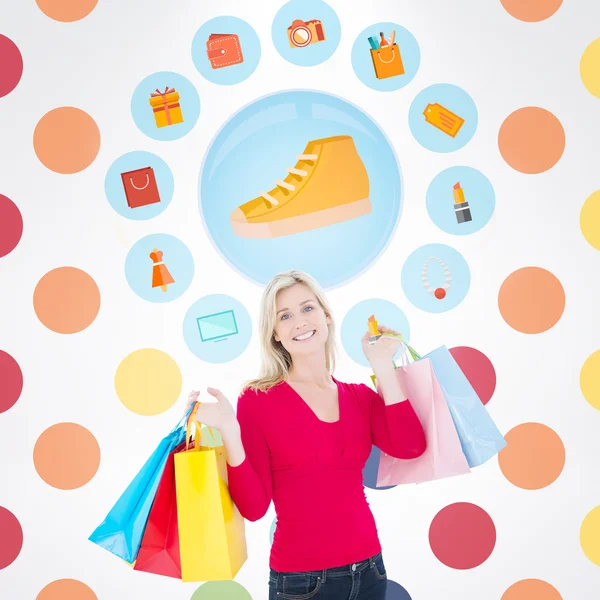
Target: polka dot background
<point x="66" y="456"/>
<point x="81" y="413"/>
<point x="12" y="65"/>
<point x="66" y="300"/>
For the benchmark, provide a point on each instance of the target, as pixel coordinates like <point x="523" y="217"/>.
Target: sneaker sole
<point x="292" y="225"/>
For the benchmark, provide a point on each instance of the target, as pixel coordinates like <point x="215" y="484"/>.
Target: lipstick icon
<point x="374" y="334"/>
<point x="461" y="206"/>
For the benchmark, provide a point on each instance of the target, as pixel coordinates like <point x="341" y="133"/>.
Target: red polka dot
<point x="11" y="224"/>
<point x="462" y="536"/>
<point x="11" y="68"/>
<point x="12" y="381"/>
<point x="12" y="538"/>
<point x="478" y="369"/>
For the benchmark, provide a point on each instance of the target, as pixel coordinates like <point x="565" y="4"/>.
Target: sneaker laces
<point x="286" y="186"/>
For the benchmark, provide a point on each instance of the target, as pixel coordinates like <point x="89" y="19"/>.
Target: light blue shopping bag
<point x="479" y="437"/>
<point x="122" y="530"/>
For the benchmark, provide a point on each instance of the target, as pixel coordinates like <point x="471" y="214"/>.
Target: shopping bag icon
<point x="387" y="61"/>
<point x="140" y="187"/>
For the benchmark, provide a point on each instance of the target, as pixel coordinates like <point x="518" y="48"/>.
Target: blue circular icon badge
<point x="159" y="268"/>
<point x="355" y="325"/>
<point x="301" y="180"/>
<point x="165" y="106"/>
<point x="436" y="278"/>
<point x="443" y="118"/>
<point x="139" y="185"/>
<point x="217" y="328"/>
<point x="460" y="200"/>
<point x="226" y="50"/>
<point x="386" y="57"/>
<point x="306" y="32"/>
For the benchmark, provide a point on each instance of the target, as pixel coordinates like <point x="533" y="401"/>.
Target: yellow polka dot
<point x="589" y="379"/>
<point x="589" y="219"/>
<point x="590" y="535"/>
<point x="589" y="68"/>
<point x="148" y="382"/>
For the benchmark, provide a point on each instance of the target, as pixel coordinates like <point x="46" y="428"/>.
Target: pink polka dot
<point x="12" y="381"/>
<point x="462" y="536"/>
<point x="478" y="369"/>
<point x="11" y="224"/>
<point x="12" y="66"/>
<point x="12" y="538"/>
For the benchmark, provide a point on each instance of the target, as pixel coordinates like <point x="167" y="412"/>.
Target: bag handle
<point x="387" y="62"/>
<point x="140" y="188"/>
<point x="188" y="429"/>
<point x="414" y="354"/>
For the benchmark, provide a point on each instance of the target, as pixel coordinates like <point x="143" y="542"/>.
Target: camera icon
<point x="303" y="33"/>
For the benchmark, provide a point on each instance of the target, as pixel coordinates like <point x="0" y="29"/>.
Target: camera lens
<point x="300" y="36"/>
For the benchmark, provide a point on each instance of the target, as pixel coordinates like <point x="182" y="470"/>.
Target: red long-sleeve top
<point x="313" y="471"/>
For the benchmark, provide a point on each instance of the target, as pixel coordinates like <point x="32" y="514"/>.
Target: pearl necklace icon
<point x="439" y="292"/>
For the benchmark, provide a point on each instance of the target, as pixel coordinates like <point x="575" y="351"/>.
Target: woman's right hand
<point x="219" y="414"/>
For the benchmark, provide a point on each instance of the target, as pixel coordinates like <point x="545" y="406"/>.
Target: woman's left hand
<point x="383" y="349"/>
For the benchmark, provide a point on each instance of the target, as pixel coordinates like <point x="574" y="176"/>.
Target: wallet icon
<point x="224" y="50"/>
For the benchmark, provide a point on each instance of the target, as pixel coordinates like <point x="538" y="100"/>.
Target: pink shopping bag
<point x="443" y="456"/>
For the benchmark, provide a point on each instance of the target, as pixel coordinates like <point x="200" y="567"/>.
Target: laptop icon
<point x="217" y="327"/>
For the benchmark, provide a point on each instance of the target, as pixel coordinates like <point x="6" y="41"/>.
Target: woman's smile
<point x="305" y="336"/>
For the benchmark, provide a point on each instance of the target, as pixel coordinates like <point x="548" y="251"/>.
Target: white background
<point x="504" y="64"/>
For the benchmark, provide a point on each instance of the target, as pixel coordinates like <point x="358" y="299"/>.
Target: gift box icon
<point x="166" y="107"/>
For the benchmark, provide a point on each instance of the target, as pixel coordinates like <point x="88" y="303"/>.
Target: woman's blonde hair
<point x="275" y="359"/>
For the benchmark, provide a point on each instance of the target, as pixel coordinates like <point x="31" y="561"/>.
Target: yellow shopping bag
<point x="212" y="540"/>
<point x="387" y="61"/>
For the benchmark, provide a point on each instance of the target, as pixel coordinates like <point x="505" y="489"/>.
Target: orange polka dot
<point x="66" y="589"/>
<point x="66" y="300"/>
<point x="531" y="140"/>
<point x="528" y="589"/>
<point x="531" y="300"/>
<point x="66" y="140"/>
<point x="66" y="456"/>
<point x="66" y="10"/>
<point x="531" y="10"/>
<point x="534" y="456"/>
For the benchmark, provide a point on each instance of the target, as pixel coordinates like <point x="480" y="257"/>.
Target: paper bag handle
<point x="387" y="62"/>
<point x="188" y="429"/>
<point x="414" y="354"/>
<point x="140" y="188"/>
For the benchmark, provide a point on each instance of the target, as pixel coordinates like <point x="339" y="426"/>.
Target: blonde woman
<point x="301" y="439"/>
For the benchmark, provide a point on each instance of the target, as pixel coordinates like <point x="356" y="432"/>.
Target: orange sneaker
<point x="328" y="185"/>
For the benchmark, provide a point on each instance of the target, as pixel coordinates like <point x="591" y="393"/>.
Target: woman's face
<point x="300" y="322"/>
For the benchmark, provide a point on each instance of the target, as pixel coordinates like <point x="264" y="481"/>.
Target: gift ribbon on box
<point x="165" y="105"/>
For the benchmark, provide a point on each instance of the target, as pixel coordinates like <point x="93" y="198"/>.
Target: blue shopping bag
<point x="479" y="437"/>
<point x="122" y="530"/>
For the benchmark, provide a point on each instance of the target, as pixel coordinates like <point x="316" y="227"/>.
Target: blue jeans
<point x="365" y="580"/>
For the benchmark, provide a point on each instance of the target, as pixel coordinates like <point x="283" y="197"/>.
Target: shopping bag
<point x="387" y="61"/>
<point x="159" y="551"/>
<point x="140" y="187"/>
<point x="122" y="530"/>
<point x="443" y="456"/>
<point x="479" y="437"/>
<point x="212" y="541"/>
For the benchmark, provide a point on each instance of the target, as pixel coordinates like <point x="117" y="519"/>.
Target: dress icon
<point x="160" y="274"/>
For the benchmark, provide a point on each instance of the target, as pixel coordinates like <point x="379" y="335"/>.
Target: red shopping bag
<point x="159" y="552"/>
<point x="140" y="187"/>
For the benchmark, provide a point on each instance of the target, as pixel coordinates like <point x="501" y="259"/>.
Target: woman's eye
<point x="284" y="316"/>
<point x="308" y="307"/>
